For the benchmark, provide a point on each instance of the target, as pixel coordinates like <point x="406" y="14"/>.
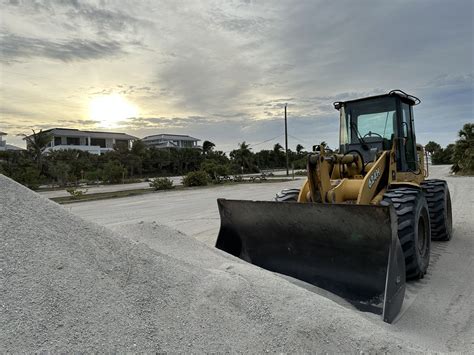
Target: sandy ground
<point x="72" y="286"/>
<point x="438" y="311"/>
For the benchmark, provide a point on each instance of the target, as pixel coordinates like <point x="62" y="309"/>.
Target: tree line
<point x="459" y="154"/>
<point x="36" y="166"/>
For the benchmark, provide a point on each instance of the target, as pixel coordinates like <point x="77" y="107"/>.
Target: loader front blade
<point x="350" y="250"/>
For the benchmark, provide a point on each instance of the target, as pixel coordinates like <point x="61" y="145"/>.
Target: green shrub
<point x="463" y="154"/>
<point x="215" y="170"/>
<point x="443" y="156"/>
<point x="113" y="172"/>
<point x="196" y="178"/>
<point x="28" y="176"/>
<point x="75" y="193"/>
<point x="93" y="176"/>
<point x="161" y="184"/>
<point x="300" y="163"/>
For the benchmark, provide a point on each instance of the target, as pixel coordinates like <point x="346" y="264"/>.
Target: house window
<point x="57" y="141"/>
<point x="73" y="141"/>
<point x="123" y="143"/>
<point x="98" y="141"/>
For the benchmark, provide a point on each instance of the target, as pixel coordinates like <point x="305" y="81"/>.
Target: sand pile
<point x="69" y="285"/>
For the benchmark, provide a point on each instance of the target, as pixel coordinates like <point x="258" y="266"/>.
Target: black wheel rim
<point x="422" y="243"/>
<point x="449" y="216"/>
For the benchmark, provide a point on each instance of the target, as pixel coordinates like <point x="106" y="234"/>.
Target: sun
<point x="109" y="110"/>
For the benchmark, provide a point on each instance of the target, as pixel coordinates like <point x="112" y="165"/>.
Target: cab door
<point x="408" y="159"/>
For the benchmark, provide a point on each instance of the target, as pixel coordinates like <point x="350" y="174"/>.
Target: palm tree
<point x="36" y="144"/>
<point x="277" y="148"/>
<point x="207" y="146"/>
<point x="432" y="147"/>
<point x="242" y="155"/>
<point x="299" y="148"/>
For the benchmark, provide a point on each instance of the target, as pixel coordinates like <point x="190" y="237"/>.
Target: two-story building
<point x="4" y="146"/>
<point x="90" y="141"/>
<point x="171" y="141"/>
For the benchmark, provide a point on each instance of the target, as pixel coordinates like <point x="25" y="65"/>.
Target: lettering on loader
<point x="373" y="178"/>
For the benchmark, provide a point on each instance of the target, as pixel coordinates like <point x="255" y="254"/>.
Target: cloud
<point x="224" y="70"/>
<point x="105" y="18"/>
<point x="16" y="48"/>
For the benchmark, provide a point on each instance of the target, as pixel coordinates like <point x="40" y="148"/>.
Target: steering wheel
<point x="371" y="133"/>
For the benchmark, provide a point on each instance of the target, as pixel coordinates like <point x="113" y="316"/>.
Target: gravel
<point x="71" y="285"/>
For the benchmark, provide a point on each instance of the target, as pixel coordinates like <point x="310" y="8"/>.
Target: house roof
<point x="93" y="134"/>
<point x="13" y="147"/>
<point x="171" y="137"/>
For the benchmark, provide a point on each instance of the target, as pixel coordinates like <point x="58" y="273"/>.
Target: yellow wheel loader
<point x="363" y="220"/>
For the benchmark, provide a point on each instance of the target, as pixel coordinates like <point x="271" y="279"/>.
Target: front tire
<point x="439" y="205"/>
<point x="414" y="231"/>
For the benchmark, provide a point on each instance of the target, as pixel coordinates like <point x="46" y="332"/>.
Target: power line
<point x="265" y="141"/>
<point x="298" y="139"/>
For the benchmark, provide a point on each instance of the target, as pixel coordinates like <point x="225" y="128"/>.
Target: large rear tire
<point x="288" y="195"/>
<point x="439" y="205"/>
<point x="413" y="228"/>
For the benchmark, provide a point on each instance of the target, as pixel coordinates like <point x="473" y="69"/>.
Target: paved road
<point x="177" y="180"/>
<point x="108" y="188"/>
<point x="438" y="310"/>
<point x="191" y="211"/>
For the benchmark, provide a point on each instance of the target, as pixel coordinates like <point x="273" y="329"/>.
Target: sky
<point x="223" y="70"/>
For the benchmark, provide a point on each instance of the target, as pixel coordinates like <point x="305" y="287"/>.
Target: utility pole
<point x="286" y="143"/>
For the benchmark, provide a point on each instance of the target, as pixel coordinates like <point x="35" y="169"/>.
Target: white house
<point x="171" y="141"/>
<point x="4" y="146"/>
<point x="90" y="141"/>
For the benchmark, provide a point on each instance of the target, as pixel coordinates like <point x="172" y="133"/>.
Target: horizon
<point x="223" y="71"/>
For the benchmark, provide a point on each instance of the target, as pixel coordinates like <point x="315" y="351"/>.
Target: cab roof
<point x="407" y="98"/>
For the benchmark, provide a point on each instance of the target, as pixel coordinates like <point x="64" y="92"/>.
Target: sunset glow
<point x="111" y="109"/>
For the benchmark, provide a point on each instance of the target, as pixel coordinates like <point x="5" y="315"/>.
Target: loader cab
<point x="373" y="124"/>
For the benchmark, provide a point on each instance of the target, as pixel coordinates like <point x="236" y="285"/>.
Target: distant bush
<point x="196" y="178"/>
<point x="76" y="193"/>
<point x="113" y="172"/>
<point x="463" y="155"/>
<point x="300" y="163"/>
<point x="443" y="156"/>
<point x="215" y="170"/>
<point x="28" y="176"/>
<point x="93" y="176"/>
<point x="161" y="184"/>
